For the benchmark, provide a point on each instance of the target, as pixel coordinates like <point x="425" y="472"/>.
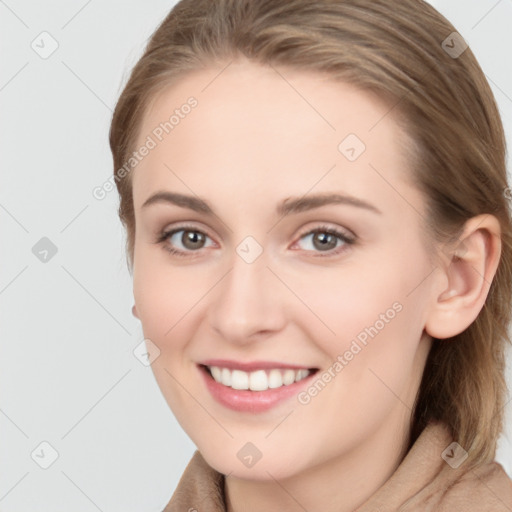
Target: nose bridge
<point x="247" y="299"/>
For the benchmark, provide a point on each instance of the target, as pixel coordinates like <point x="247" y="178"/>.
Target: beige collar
<point x="422" y="482"/>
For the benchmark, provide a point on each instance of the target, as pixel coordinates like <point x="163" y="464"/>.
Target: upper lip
<point x="253" y="365"/>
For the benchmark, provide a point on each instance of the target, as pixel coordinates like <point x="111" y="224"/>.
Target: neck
<point x="339" y="484"/>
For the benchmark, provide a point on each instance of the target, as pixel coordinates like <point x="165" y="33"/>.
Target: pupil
<point x="324" y="240"/>
<point x="193" y="238"/>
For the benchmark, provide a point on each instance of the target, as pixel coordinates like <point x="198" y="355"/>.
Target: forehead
<point x="266" y="129"/>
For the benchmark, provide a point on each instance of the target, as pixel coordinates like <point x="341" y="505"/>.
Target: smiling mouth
<point x="258" y="380"/>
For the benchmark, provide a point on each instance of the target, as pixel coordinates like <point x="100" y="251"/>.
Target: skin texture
<point x="257" y="137"/>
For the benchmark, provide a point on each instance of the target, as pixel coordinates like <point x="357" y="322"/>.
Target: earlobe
<point x="469" y="272"/>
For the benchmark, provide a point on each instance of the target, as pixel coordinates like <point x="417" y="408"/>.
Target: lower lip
<point x="245" y="400"/>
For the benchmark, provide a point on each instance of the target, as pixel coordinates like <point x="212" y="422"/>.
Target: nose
<point x="249" y="302"/>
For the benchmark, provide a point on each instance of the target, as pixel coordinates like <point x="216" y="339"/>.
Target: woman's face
<point x="342" y="286"/>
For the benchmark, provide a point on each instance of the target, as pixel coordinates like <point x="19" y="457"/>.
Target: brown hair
<point x="392" y="48"/>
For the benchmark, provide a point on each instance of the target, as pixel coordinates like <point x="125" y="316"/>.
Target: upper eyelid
<point x="184" y="227"/>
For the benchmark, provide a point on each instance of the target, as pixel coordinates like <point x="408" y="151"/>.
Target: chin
<point x="227" y="462"/>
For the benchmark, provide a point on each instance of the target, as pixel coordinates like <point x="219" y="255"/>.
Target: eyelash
<point x="347" y="240"/>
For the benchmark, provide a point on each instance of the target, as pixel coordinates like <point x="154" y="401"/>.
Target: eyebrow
<point x="289" y="206"/>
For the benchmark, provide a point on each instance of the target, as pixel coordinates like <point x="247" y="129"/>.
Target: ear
<point x="134" y="311"/>
<point x="468" y="273"/>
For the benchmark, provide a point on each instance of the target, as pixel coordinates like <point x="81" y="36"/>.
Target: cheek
<point x="342" y="305"/>
<point x="371" y="314"/>
<point x="164" y="295"/>
<point x="165" y="298"/>
<point x="377" y="315"/>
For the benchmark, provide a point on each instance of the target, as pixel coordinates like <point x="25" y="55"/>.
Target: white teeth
<point x="239" y="379"/>
<point x="225" y="377"/>
<point x="288" y="377"/>
<point x="275" y="379"/>
<point x="259" y="380"/>
<point x="217" y="373"/>
<point x="301" y="374"/>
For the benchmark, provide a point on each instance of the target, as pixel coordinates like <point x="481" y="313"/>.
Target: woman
<point x="315" y="200"/>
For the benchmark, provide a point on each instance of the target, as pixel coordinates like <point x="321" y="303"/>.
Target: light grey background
<point x="68" y="375"/>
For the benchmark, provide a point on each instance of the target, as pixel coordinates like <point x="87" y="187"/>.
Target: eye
<point x="189" y="238"/>
<point x="325" y="239"/>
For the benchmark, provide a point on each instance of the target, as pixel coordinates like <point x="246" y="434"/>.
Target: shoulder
<point x="425" y="481"/>
<point x="200" y="488"/>
<point x="486" y="488"/>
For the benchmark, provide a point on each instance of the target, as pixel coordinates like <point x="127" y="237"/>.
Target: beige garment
<point x="422" y="482"/>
